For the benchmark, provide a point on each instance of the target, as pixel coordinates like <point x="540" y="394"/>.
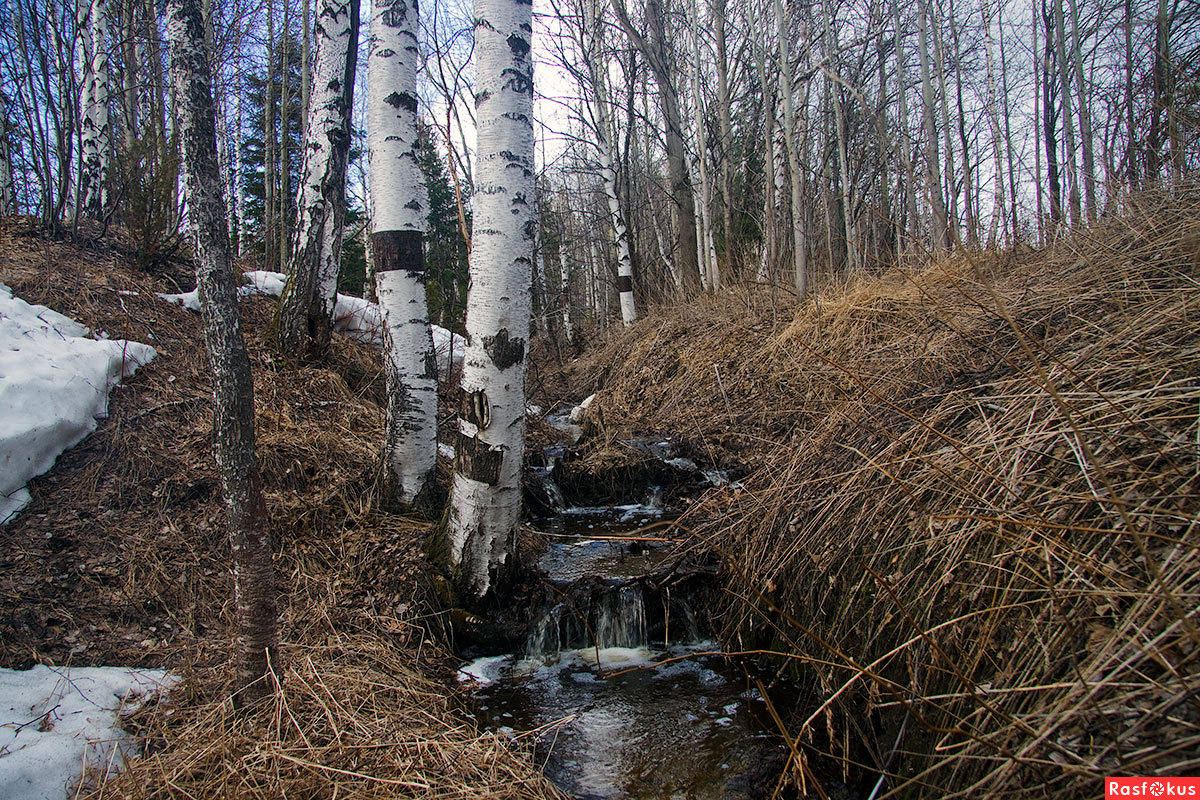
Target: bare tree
<point x="233" y="387"/>
<point x="306" y="309"/>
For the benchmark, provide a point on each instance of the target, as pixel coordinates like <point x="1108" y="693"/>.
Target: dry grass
<point x="121" y="558"/>
<point x="974" y="506"/>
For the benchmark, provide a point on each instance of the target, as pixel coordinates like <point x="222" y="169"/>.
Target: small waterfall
<point x="616" y="618"/>
<point x="621" y="618"/>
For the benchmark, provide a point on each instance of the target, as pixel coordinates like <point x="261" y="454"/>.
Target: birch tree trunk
<point x="683" y="208"/>
<point x="1064" y="74"/>
<point x="910" y="194"/>
<point x="799" y="219"/>
<point x="1131" y="152"/>
<point x="1085" y="119"/>
<point x="486" y="495"/>
<point x="717" y="9"/>
<point x="306" y="310"/>
<point x="6" y="174"/>
<point x="398" y="223"/>
<point x="270" y="232"/>
<point x="710" y="278"/>
<point x="998" y="208"/>
<point x="830" y="46"/>
<point x="598" y="67"/>
<point x="233" y="387"/>
<point x="951" y="185"/>
<point x="933" y="175"/>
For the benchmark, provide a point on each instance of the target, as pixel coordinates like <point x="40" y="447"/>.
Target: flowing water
<point x="617" y="689"/>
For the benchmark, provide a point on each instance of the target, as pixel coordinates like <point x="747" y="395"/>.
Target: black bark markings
<point x="402" y="100"/>
<point x="505" y="351"/>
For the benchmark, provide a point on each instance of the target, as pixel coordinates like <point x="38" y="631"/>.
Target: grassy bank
<point x="121" y="558"/>
<point x="971" y="516"/>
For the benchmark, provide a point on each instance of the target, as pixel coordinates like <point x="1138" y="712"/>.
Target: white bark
<point x="933" y="170"/>
<point x="99" y="123"/>
<point x="709" y="276"/>
<point x="398" y="208"/>
<point x="565" y="282"/>
<point x="606" y="145"/>
<point x="912" y="223"/>
<point x="486" y="496"/>
<point x="6" y="176"/>
<point x="308" y="303"/>
<point x="786" y="87"/>
<point x="998" y="207"/>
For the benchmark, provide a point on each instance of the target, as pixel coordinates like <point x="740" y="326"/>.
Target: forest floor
<point x="121" y="559"/>
<point x="969" y="521"/>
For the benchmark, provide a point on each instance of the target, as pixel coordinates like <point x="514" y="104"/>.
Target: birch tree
<point x="656" y="51"/>
<point x="786" y="90"/>
<point x="486" y="496"/>
<point x="233" y="387"/>
<point x="96" y="132"/>
<point x="6" y="172"/>
<point x="306" y="310"/>
<point x="596" y="58"/>
<point x="398" y="221"/>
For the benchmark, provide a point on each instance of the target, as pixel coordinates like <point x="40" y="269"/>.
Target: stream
<point x="618" y="690"/>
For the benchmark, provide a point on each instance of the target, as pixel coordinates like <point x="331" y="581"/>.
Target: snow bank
<point x="357" y="318"/>
<point x="54" y="383"/>
<point x="58" y="723"/>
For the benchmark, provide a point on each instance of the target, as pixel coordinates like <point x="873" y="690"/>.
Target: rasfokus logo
<point x="1151" y="787"/>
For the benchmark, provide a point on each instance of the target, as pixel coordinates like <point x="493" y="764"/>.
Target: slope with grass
<point x="971" y="517"/>
<point x="121" y="558"/>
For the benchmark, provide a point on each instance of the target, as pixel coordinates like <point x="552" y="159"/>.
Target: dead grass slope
<point x="121" y="558"/>
<point x="972" y="517"/>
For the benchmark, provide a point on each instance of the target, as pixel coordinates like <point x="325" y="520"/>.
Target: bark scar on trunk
<point x="477" y="460"/>
<point x="503" y="350"/>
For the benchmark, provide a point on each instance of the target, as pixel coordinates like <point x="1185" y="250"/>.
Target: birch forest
<point x="630" y="399"/>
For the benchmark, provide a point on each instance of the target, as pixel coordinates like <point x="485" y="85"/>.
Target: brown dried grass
<point x="973" y="520"/>
<point x="121" y="558"/>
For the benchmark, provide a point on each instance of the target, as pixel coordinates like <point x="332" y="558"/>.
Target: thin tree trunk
<point x="933" y="174"/>
<point x="799" y="217"/>
<point x="969" y="199"/>
<point x="1064" y="74"/>
<point x="306" y="60"/>
<point x="725" y="128"/>
<point x="233" y="387"/>
<point x="486" y="495"/>
<point x="1050" y="125"/>
<point x="1085" y="119"/>
<point x="683" y="209"/>
<point x="606" y="145"/>
<point x="910" y="193"/>
<point x="1131" y="149"/>
<point x="285" y="150"/>
<point x="710" y="277"/>
<point x="6" y="175"/>
<point x="398" y="218"/>
<point x="839" y="118"/>
<point x="1012" y="178"/>
<point x="270" y="231"/>
<point x="951" y="184"/>
<point x="998" y="210"/>
<point x="306" y="309"/>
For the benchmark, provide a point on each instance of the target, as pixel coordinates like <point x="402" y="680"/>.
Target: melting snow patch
<point x="58" y="725"/>
<point x="54" y="384"/>
<point x="357" y="318"/>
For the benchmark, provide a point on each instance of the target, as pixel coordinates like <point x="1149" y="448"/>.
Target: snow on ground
<point x="54" y="384"/>
<point x="357" y="318"/>
<point x="58" y="724"/>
